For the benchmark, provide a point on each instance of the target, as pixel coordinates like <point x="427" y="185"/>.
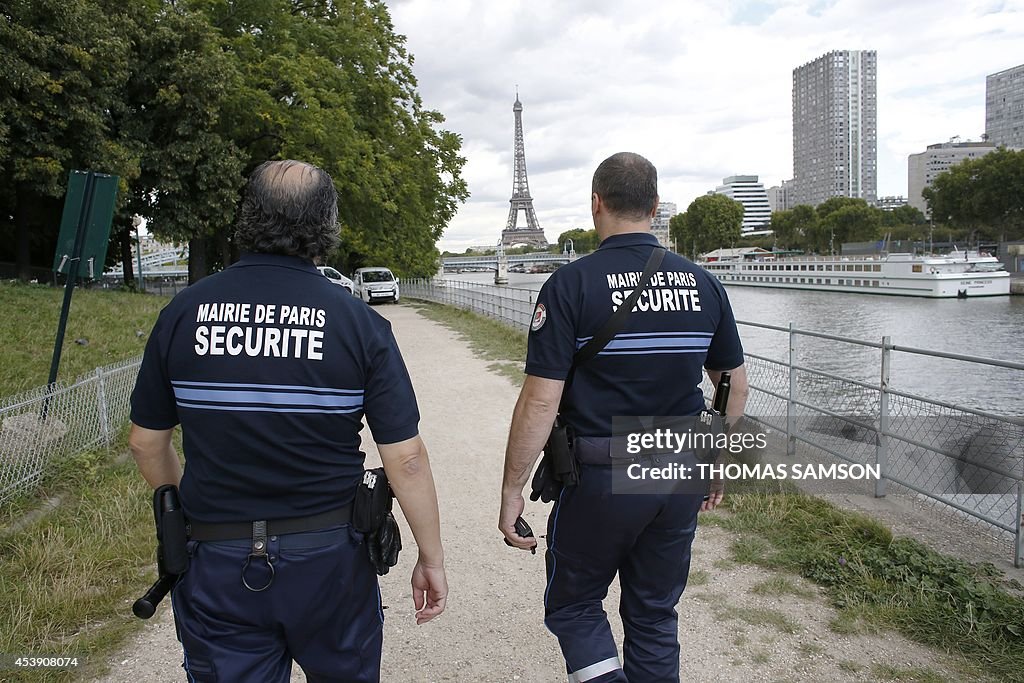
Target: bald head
<point x="290" y="208"/>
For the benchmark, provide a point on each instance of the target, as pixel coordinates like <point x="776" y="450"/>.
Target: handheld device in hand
<point x="524" y="530"/>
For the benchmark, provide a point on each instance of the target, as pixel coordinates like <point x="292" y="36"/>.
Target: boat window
<point x="917" y="268"/>
<point x="876" y="268"/>
<point x="874" y="283"/>
<point x="828" y="267"/>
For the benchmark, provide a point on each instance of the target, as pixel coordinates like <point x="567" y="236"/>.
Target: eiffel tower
<point x="521" y="199"/>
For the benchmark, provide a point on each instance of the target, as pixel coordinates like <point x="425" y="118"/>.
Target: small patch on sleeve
<point x="540" y="316"/>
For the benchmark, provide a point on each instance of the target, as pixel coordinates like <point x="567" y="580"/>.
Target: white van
<point x="375" y="284"/>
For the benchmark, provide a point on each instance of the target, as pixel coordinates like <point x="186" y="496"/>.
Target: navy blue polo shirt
<point x="269" y="368"/>
<point x="681" y="324"/>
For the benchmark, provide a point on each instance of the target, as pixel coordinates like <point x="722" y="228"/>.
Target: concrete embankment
<point x="1017" y="283"/>
<point x="493" y="630"/>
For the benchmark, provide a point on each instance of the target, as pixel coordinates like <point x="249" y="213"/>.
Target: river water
<point x="981" y="328"/>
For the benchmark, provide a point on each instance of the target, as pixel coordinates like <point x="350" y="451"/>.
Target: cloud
<point x="702" y="88"/>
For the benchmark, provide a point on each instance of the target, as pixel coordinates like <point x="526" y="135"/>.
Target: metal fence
<point x="510" y="305"/>
<point x="43" y="426"/>
<point x="964" y="459"/>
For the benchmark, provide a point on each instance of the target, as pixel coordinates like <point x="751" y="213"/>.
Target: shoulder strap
<point x="618" y="318"/>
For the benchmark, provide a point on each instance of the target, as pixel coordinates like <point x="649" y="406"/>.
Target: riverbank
<point x="739" y="622"/>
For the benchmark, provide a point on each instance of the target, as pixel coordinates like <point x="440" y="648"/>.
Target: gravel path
<point x="493" y="629"/>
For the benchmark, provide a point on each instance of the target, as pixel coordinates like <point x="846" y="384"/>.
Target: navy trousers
<point x="646" y="539"/>
<point x="322" y="609"/>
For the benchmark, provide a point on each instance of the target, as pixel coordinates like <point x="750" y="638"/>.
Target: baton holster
<point x="171" y="549"/>
<point x="372" y="516"/>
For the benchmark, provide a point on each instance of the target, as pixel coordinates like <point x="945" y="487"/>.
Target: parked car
<point x="375" y="284"/>
<point x="337" y="278"/>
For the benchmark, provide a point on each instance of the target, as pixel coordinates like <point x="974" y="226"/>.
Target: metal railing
<point x="964" y="459"/>
<point x="43" y="426"/>
<point x="510" y="305"/>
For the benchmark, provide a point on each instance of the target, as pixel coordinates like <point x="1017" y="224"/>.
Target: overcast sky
<point x="701" y="88"/>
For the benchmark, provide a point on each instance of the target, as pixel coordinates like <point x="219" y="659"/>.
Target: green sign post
<point x="84" y="234"/>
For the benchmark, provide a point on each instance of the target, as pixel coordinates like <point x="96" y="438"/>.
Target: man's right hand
<point x="429" y="591"/>
<point x="716" y="493"/>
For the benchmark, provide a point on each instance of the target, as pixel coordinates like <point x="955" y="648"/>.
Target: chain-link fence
<point x="510" y="305"/>
<point x="952" y="455"/>
<point x="45" y="425"/>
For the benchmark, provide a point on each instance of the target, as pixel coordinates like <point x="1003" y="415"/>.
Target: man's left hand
<point x="512" y="506"/>
<point x="716" y="493"/>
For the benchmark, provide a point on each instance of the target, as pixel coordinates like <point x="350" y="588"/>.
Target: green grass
<point x="779" y="586"/>
<point x="886" y="672"/>
<point x="877" y="580"/>
<point x="109" y="320"/>
<point x="698" y="577"/>
<point x="67" y="580"/>
<point x="69" y="573"/>
<point x="760" y="616"/>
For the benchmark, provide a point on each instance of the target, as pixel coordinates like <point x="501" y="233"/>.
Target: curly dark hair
<point x="628" y="185"/>
<point x="289" y="208"/>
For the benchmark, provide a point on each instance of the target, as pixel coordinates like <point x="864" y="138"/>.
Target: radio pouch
<point x="559" y="448"/>
<point x="372" y="516"/>
<point x="372" y="502"/>
<point x="384" y="545"/>
<point x="709" y="432"/>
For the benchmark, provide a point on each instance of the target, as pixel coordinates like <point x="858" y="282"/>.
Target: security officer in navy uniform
<point x="681" y="326"/>
<point x="270" y="369"/>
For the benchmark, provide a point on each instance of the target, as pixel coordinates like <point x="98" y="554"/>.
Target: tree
<point x="677" y="234"/>
<point x="985" y="195"/>
<point x="710" y="222"/>
<point x="796" y="227"/>
<point x="62" y="64"/>
<point x="330" y="82"/>
<point x="583" y="241"/>
<point x="851" y="222"/>
<point x="190" y="171"/>
<point x="833" y="204"/>
<point x="183" y="98"/>
<point x="903" y="215"/>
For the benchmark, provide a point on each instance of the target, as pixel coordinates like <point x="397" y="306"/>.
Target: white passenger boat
<point x="960" y="274"/>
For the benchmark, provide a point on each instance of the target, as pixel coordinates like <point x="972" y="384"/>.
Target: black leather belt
<point x="230" y="531"/>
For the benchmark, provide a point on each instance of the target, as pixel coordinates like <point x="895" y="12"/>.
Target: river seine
<point x="982" y="328"/>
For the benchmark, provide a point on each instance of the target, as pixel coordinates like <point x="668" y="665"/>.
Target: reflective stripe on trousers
<point x="589" y="673"/>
